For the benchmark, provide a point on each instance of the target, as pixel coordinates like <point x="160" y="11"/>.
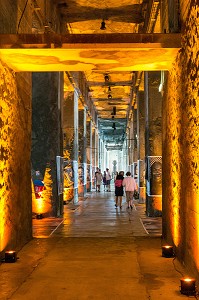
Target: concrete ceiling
<point x="120" y="17"/>
<point x="116" y="53"/>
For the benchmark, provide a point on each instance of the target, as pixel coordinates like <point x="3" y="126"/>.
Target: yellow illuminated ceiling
<point x="85" y="52"/>
<point x="125" y="46"/>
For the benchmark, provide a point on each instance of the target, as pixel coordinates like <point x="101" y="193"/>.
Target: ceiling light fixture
<point x="114" y="110"/>
<point x="106" y="77"/>
<point x="103" y="25"/>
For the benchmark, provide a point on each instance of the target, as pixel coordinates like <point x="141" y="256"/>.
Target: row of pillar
<point x="144" y="140"/>
<point x="83" y="150"/>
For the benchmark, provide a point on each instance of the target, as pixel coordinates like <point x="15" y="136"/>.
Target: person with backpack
<point x="119" y="189"/>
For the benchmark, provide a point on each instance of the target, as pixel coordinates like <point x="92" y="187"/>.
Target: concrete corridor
<point x="96" y="252"/>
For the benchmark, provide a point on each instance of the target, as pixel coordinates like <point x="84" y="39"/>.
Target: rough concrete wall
<point x="46" y="134"/>
<point x="15" y="184"/>
<point x="15" y="133"/>
<point x="15" y="16"/>
<point x="68" y="130"/>
<point x="155" y="115"/>
<point x="81" y="152"/>
<point x="180" y="148"/>
<point x="46" y="19"/>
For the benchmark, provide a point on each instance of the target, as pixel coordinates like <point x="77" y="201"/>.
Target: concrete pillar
<point x="153" y="144"/>
<point x="47" y="138"/>
<point x="96" y="148"/>
<point x="141" y="146"/>
<point x="76" y="146"/>
<point x="82" y="149"/>
<point x="88" y="152"/>
<point x="91" y="155"/>
<point x="85" y="152"/>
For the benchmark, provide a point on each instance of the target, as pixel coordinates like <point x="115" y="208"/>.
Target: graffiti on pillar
<point x="154" y="175"/>
<point x="80" y="174"/>
<point x="60" y="174"/>
<point x="141" y="173"/>
<point x="68" y="179"/>
<point x="135" y="170"/>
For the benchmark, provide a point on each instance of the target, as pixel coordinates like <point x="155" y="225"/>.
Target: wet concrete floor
<point x="96" y="252"/>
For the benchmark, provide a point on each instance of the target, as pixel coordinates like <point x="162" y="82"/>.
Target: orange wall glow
<point x="43" y="204"/>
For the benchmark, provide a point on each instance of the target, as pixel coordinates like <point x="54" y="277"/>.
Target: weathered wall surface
<point x="15" y="137"/>
<point x="15" y="145"/>
<point x="180" y="148"/>
<point x="68" y="131"/>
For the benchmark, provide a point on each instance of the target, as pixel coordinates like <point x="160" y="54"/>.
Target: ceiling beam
<point x="92" y="41"/>
<point x="87" y="52"/>
<point x="109" y="100"/>
<point x="113" y="83"/>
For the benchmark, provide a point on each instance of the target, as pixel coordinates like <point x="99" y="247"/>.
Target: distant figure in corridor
<point x="119" y="189"/>
<point x="130" y="186"/>
<point x="99" y="178"/>
<point x="108" y="180"/>
<point x="104" y="180"/>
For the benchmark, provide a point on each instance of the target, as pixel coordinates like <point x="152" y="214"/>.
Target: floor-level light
<point x="167" y="251"/>
<point x="10" y="256"/>
<point x="188" y="286"/>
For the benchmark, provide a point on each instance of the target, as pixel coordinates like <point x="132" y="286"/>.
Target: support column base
<point x="154" y="206"/>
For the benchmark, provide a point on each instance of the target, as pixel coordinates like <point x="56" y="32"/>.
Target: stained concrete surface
<point x="97" y="252"/>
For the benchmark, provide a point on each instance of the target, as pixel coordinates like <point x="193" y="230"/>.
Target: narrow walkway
<point x="97" y="252"/>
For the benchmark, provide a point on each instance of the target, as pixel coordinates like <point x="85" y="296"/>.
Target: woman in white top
<point x="130" y="186"/>
<point x="99" y="177"/>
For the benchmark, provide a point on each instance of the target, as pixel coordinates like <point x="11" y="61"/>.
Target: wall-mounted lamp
<point x="10" y="256"/>
<point x="114" y="110"/>
<point x="188" y="286"/>
<point x="103" y="25"/>
<point x="167" y="251"/>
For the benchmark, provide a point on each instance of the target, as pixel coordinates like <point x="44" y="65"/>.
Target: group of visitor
<point x="128" y="183"/>
<point x="130" y="186"/>
<point x="105" y="178"/>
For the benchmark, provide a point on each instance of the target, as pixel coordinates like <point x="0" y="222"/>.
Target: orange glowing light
<point x="175" y="174"/>
<point x="188" y="279"/>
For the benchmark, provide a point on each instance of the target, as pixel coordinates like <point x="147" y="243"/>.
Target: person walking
<point x="119" y="189"/>
<point x="130" y="186"/>
<point x="104" y="180"/>
<point x="99" y="178"/>
<point x="108" y="180"/>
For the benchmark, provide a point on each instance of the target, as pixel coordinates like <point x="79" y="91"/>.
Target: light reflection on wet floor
<point x="96" y="216"/>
